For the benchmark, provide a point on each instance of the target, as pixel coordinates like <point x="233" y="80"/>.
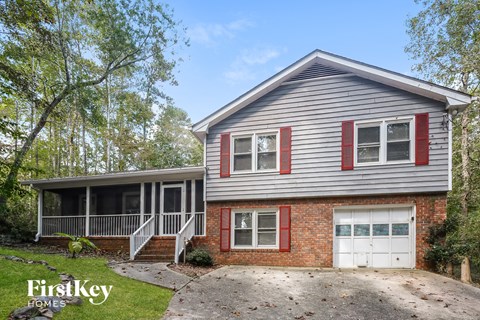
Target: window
<point x="385" y="141"/>
<point x="255" y="229"/>
<point x="242" y="154"/>
<point x="255" y="152"/>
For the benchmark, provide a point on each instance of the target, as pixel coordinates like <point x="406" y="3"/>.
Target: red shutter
<point x="285" y="150"/>
<point x="285" y="228"/>
<point x="422" y="144"/>
<point x="225" y="155"/>
<point x="347" y="145"/>
<point x="225" y="229"/>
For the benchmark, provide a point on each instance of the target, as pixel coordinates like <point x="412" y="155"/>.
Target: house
<point x="330" y="162"/>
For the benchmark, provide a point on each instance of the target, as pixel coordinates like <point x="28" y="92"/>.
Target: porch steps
<point x="158" y="249"/>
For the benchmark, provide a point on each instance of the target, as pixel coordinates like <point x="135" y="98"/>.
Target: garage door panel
<point x="345" y="260"/>
<point x="343" y="216"/>
<point x="400" y="244"/>
<point x="381" y="260"/>
<point x="361" y="245"/>
<point x="344" y="245"/>
<point x="380" y="245"/>
<point x="400" y="260"/>
<point x="361" y="216"/>
<point x="399" y="214"/>
<point x="380" y="215"/>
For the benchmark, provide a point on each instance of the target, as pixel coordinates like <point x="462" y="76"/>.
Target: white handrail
<point x="183" y="236"/>
<point x="139" y="238"/>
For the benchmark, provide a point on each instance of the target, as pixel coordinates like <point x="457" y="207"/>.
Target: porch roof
<point x="126" y="177"/>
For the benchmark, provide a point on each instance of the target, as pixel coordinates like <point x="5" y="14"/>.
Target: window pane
<point x="380" y="229"/>
<point x="243" y="237"/>
<point x="242" y="162"/>
<point x="344" y="230"/>
<point x="242" y="145"/>
<point x="369" y="135"/>
<point x="400" y="229"/>
<point x="267" y="143"/>
<point x="368" y="154"/>
<point x="267" y="161"/>
<point x="398" y="131"/>
<point x="267" y="238"/>
<point x="243" y="220"/>
<point x="361" y="230"/>
<point x="267" y="221"/>
<point x="398" y="151"/>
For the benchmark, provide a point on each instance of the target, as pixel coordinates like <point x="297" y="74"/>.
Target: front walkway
<point x="238" y="292"/>
<point x="155" y="273"/>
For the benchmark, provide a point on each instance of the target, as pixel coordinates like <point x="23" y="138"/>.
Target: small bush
<point x="200" y="257"/>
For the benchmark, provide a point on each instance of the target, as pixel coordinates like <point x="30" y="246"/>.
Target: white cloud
<point x="259" y="56"/>
<point x="244" y="66"/>
<point x="208" y="34"/>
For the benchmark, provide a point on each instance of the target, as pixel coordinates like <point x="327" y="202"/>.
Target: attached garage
<point x="375" y="237"/>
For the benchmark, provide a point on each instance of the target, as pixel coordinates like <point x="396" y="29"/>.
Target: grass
<point x="129" y="299"/>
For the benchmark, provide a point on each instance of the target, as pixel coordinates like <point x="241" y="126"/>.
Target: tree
<point x="52" y="50"/>
<point x="173" y="145"/>
<point x="445" y="40"/>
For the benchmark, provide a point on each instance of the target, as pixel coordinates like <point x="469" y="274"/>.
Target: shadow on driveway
<point x="240" y="292"/>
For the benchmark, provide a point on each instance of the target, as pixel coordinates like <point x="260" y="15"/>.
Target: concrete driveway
<point x="237" y="292"/>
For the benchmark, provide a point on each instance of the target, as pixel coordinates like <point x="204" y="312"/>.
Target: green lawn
<point x="129" y="299"/>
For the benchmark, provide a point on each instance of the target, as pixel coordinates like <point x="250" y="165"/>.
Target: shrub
<point x="200" y="257"/>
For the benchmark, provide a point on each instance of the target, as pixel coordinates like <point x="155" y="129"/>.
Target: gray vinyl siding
<point x="315" y="110"/>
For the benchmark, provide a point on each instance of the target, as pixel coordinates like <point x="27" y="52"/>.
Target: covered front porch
<point x="138" y="204"/>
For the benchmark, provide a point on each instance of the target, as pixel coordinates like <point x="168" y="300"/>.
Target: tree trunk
<point x="107" y="83"/>
<point x="84" y="146"/>
<point x="11" y="180"/>
<point x="465" y="164"/>
<point x="465" y="275"/>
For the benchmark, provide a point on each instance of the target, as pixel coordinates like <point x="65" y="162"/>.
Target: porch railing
<point x="140" y="237"/>
<point x="120" y="225"/>
<point x="114" y="225"/>
<point x="74" y="225"/>
<point x="183" y="236"/>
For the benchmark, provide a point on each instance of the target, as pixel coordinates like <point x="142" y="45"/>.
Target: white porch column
<point x="161" y="208"/>
<point x="182" y="205"/>
<point x="142" y="201"/>
<point x="153" y="199"/>
<point x="40" y="212"/>
<point x="87" y="211"/>
<point x="193" y="197"/>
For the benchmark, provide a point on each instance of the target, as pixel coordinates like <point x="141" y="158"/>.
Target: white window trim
<point x="383" y="140"/>
<point x="255" y="213"/>
<point x="254" y="164"/>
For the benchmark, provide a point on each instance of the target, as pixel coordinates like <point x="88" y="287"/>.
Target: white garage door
<point x="374" y="237"/>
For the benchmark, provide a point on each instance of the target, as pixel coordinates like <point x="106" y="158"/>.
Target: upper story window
<point x="384" y="141"/>
<point x="255" y="152"/>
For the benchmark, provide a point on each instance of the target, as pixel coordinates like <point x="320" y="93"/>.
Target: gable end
<point x="316" y="70"/>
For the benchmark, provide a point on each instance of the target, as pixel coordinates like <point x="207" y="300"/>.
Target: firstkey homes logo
<point x="95" y="294"/>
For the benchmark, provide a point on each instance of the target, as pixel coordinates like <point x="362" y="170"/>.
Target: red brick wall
<point x="312" y="228"/>
<point x="110" y="244"/>
<point x="113" y="244"/>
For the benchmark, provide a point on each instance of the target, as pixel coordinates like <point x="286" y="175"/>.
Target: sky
<point x="235" y="45"/>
